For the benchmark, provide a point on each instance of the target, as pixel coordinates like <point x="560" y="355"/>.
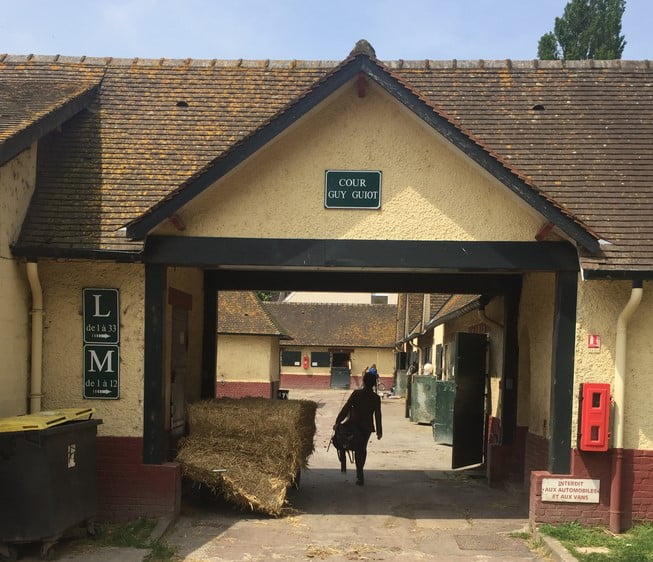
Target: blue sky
<point x="295" y="29"/>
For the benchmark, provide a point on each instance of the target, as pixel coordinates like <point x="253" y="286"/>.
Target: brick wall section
<point x="505" y="462"/>
<point x="305" y="381"/>
<point x="242" y="389"/>
<point x="637" y="494"/>
<point x="637" y="490"/>
<point x="127" y="488"/>
<point x="536" y="455"/>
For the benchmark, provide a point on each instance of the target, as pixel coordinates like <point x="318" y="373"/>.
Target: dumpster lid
<point x="43" y="420"/>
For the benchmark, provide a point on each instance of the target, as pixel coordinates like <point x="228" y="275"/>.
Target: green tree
<point x="588" y="29"/>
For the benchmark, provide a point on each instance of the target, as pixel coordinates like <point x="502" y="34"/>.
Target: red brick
<point x="127" y="487"/>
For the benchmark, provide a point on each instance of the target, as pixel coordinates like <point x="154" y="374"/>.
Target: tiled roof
<point x="456" y="306"/>
<point x="436" y="302"/>
<point x="33" y="104"/>
<point x="337" y="325"/>
<point x="242" y="313"/>
<point x="579" y="131"/>
<point x="415" y="305"/>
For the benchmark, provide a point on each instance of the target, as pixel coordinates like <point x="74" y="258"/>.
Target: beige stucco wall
<point x="599" y="306"/>
<point x="63" y="340"/>
<point x="191" y="281"/>
<point x="430" y="190"/>
<point x="535" y="340"/>
<point x="16" y="187"/>
<point x="361" y="357"/>
<point x="247" y="359"/>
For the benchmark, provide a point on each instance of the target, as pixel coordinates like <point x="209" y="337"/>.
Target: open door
<point x="340" y="369"/>
<point x="469" y="401"/>
<point x="179" y="363"/>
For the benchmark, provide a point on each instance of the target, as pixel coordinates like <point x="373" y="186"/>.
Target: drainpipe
<point x="618" y="399"/>
<point x="37" y="337"/>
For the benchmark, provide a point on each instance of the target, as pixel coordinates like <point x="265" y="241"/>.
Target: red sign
<point x="594" y="342"/>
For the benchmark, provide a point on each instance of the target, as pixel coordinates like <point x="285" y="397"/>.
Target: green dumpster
<point x="422" y="399"/>
<point x="444" y="396"/>
<point x="47" y="476"/>
<point x="400" y="385"/>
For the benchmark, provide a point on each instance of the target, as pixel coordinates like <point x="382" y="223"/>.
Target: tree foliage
<point x="588" y="29"/>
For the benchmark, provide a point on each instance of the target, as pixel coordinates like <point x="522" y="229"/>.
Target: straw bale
<point x="250" y="449"/>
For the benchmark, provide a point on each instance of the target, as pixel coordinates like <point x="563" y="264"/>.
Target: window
<point x="320" y="359"/>
<point x="379" y="299"/>
<point x="291" y="358"/>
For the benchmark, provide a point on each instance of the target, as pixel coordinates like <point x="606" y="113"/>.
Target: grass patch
<point x="635" y="545"/>
<point x="135" y="534"/>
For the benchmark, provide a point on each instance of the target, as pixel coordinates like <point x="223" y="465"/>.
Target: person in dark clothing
<point x="362" y="409"/>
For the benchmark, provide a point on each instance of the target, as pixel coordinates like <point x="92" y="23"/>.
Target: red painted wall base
<point x="637" y="489"/>
<point x="127" y="488"/>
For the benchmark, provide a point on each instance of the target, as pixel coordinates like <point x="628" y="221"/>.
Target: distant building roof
<point x="337" y="325"/>
<point x="242" y="313"/>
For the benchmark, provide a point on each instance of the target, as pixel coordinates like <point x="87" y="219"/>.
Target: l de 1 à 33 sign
<point x="101" y="323"/>
<point x="352" y="189"/>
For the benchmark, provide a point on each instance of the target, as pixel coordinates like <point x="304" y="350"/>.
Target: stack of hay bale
<point x="249" y="449"/>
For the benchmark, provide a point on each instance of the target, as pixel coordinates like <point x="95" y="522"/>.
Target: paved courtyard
<point x="412" y="507"/>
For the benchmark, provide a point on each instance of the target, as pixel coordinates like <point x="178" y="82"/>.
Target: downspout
<point x="37" y="337"/>
<point x="619" y="405"/>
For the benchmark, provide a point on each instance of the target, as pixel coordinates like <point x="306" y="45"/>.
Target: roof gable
<point x="362" y="63"/>
<point x="33" y="108"/>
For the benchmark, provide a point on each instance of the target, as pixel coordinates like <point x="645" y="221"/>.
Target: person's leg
<point x="360" y="456"/>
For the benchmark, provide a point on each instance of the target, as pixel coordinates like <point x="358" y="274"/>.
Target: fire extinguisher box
<point x="594" y="411"/>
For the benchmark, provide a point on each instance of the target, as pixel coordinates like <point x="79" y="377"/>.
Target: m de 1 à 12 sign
<point x="101" y="315"/>
<point x="352" y="189"/>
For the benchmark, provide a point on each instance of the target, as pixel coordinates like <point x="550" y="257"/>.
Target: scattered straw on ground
<point x="250" y="449"/>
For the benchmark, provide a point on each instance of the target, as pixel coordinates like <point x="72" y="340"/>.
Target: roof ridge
<point x="398" y="64"/>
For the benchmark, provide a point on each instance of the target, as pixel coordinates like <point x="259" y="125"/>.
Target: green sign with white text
<point x="101" y="371"/>
<point x="101" y="323"/>
<point x="352" y="189"/>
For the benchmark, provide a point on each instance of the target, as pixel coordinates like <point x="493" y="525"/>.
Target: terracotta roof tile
<point x="242" y="313"/>
<point x="455" y="306"/>
<point x="580" y="132"/>
<point x="337" y="325"/>
<point x="27" y="100"/>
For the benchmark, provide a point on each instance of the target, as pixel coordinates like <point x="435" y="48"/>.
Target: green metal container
<point x="444" y="397"/>
<point x="422" y="405"/>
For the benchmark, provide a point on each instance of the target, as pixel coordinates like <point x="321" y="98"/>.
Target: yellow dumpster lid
<point x="43" y="420"/>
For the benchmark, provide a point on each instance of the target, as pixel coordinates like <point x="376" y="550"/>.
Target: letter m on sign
<point x="101" y="371"/>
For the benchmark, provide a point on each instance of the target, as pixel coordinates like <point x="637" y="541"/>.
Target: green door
<point x="469" y="401"/>
<point x="445" y="393"/>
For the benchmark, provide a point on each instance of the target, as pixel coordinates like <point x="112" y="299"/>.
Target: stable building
<point x="248" y="347"/>
<point x="332" y="344"/>
<point x="133" y="191"/>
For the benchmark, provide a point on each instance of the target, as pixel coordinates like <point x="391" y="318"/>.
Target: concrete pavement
<point x="412" y="507"/>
